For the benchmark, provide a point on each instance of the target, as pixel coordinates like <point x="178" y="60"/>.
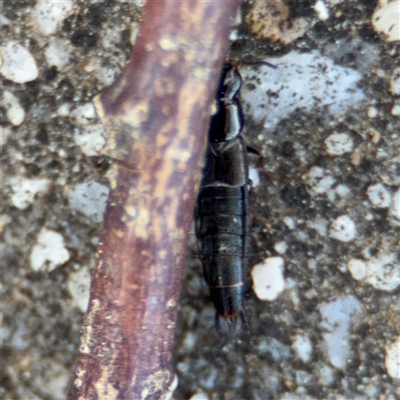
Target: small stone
<point x="26" y="189"/>
<point x="321" y="10"/>
<point x="396" y="110"/>
<point x="48" y="16"/>
<point x="394" y="211"/>
<point x="199" y="396"/>
<point x="320" y="180"/>
<point x="289" y="222"/>
<point x="49" y="252"/>
<point x="337" y="318"/>
<point x="110" y="39"/>
<point x="372" y="112"/>
<point x="189" y="342"/>
<point x="89" y="198"/>
<point x="57" y="55"/>
<point x="326" y="375"/>
<point x="280" y="247"/>
<point x="254" y="177"/>
<point x="63" y="110"/>
<point x="296" y="83"/>
<point x="357" y="268"/>
<point x="15" y="112"/>
<point x="268" y="280"/>
<point x="383" y="272"/>
<point x="343" y="229"/>
<point x="386" y="20"/>
<point x="320" y="225"/>
<point x="91" y="139"/>
<point x="79" y="288"/>
<point x="108" y="73"/>
<point x="84" y="114"/>
<point x="395" y="81"/>
<point x="302" y="347"/>
<point x="18" y="64"/>
<point x="338" y="144"/>
<point x="379" y="196"/>
<point x="392" y="359"/>
<point x="342" y="190"/>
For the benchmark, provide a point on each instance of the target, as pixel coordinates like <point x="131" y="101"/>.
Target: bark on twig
<point x="156" y="115"/>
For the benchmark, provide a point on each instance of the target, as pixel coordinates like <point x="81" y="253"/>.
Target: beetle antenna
<point x="266" y="63"/>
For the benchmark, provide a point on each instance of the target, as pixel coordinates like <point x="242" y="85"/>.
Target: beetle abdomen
<point x="221" y="229"/>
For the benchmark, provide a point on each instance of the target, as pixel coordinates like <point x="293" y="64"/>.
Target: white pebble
<point x="18" y="64"/>
<point x="63" y="110"/>
<point x="396" y="110"/>
<point x="338" y="144"/>
<point x="372" y="112"/>
<point x="320" y="180"/>
<point x="48" y="16"/>
<point x="331" y="195"/>
<point x="84" y="114"/>
<point x="79" y="288"/>
<point x="320" y="225"/>
<point x="110" y="39"/>
<point x="108" y="73"/>
<point x="394" y="211"/>
<point x="383" y="272"/>
<point x="395" y="81"/>
<point x="342" y="190"/>
<point x="392" y="359"/>
<point x="379" y="196"/>
<point x="26" y="189"/>
<point x="91" y="139"/>
<point x="57" y="55"/>
<point x="326" y="375"/>
<point x="302" y="347"/>
<point x="381" y="154"/>
<point x="321" y="10"/>
<point x="199" y="396"/>
<point x="268" y="280"/>
<point x="280" y="247"/>
<point x="343" y="229"/>
<point x="15" y="112"/>
<point x="189" y="342"/>
<point x="49" y="252"/>
<point x="254" y="177"/>
<point x="298" y="84"/>
<point x="337" y="317"/>
<point x="89" y="198"/>
<point x="289" y="222"/>
<point x="387" y="20"/>
<point x="357" y="268"/>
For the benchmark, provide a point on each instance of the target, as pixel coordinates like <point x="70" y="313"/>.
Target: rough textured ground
<point x="325" y="204"/>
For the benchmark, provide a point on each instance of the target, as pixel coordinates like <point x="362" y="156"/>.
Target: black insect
<point x="222" y="205"/>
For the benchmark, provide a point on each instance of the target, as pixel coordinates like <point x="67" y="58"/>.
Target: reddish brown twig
<point x="156" y="114"/>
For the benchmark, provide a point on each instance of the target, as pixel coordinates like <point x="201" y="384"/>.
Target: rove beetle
<point x="222" y="208"/>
